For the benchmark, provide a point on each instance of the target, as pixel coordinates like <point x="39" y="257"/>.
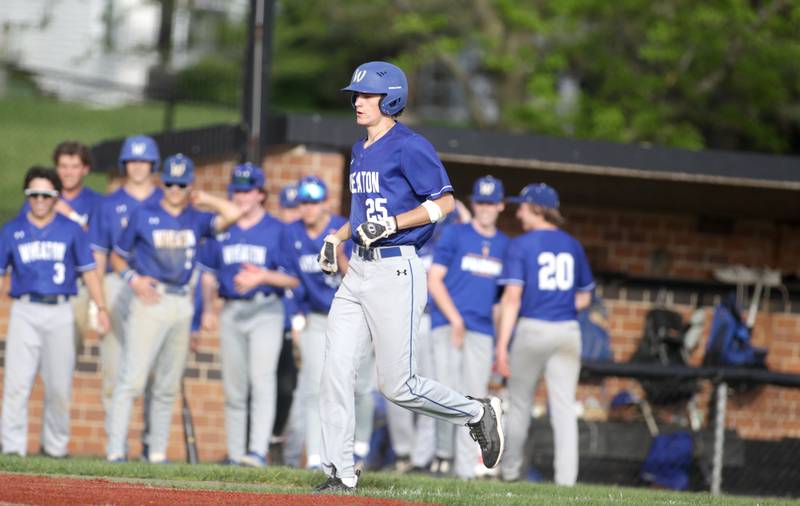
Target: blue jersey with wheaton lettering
<point x="553" y="267"/>
<point x="163" y="246"/>
<point x="259" y="245"/>
<point x="474" y="263"/>
<point x="113" y="215"/>
<point x="394" y="175"/>
<point x="318" y="287"/>
<point x="44" y="261"/>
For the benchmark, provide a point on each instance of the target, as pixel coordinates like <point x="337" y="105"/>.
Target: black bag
<point x="663" y="343"/>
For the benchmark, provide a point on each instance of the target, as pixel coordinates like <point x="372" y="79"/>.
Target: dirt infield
<point x="31" y="489"/>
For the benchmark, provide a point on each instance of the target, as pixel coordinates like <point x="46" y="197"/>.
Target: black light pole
<point x="256" y="79"/>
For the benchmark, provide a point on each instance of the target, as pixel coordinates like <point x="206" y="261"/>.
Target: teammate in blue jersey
<point x="463" y="283"/>
<point x="156" y="254"/>
<point x="305" y="238"/>
<point x="73" y="162"/>
<point x="399" y="191"/>
<point x="547" y="281"/>
<point x="46" y="253"/>
<point x="138" y="159"/>
<point x="249" y="264"/>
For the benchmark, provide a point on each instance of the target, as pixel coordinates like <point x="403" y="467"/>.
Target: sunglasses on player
<point x="182" y="186"/>
<point x="44" y="194"/>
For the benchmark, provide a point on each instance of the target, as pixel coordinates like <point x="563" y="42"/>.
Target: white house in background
<point x="97" y="51"/>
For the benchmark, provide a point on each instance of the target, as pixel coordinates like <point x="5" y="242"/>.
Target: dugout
<point x="653" y="220"/>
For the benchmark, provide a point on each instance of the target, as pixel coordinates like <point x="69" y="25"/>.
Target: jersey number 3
<point x="556" y="272"/>
<point x="58" y="273"/>
<point x="376" y="209"/>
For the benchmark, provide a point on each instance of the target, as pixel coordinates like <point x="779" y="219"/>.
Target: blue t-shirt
<point x="259" y="245"/>
<point x="85" y="204"/>
<point x="318" y="287"/>
<point x="47" y="260"/>
<point x="474" y="263"/>
<point x="164" y="246"/>
<point x="113" y="214"/>
<point x="394" y="175"/>
<point x="553" y="267"/>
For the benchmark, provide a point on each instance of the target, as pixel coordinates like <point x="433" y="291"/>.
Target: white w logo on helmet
<point x="138" y="148"/>
<point x="486" y="188"/>
<point x="359" y="75"/>
<point x="177" y="169"/>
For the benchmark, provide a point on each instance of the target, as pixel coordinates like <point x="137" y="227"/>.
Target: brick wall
<point x="661" y="245"/>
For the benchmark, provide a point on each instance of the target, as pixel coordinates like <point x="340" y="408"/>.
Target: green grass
<point x="384" y="485"/>
<point x="30" y="127"/>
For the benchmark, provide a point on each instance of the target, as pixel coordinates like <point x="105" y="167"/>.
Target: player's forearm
<point x="208" y="287"/>
<point x="344" y="232"/>
<point x="280" y="279"/>
<point x="442" y="298"/>
<point x="118" y="264"/>
<point x="228" y="213"/>
<point x="509" y="311"/>
<point x="101" y="260"/>
<point x="95" y="287"/>
<point x="583" y="300"/>
<point x="419" y="215"/>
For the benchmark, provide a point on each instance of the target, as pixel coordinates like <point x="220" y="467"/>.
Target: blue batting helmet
<point x="139" y="148"/>
<point x="311" y="189"/>
<point x="178" y="169"/>
<point x="381" y="78"/>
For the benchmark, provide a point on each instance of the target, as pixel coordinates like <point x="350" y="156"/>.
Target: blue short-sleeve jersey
<point x="47" y="260"/>
<point x="259" y="245"/>
<point x="164" y="246"/>
<point x="474" y="263"/>
<point x="552" y="266"/>
<point x="318" y="287"/>
<point x="394" y="175"/>
<point x="85" y="204"/>
<point x="113" y="214"/>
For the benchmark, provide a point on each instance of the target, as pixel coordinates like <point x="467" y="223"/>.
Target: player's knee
<point x="395" y="392"/>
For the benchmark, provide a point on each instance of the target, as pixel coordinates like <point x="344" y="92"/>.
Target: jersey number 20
<point x="556" y="272"/>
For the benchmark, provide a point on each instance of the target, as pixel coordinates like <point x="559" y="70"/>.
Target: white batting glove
<point x="371" y="231"/>
<point x="327" y="255"/>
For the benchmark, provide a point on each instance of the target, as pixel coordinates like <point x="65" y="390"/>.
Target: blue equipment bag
<point x="729" y="341"/>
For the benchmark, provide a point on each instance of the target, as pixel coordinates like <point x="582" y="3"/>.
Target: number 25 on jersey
<point x="556" y="271"/>
<point x="376" y="209"/>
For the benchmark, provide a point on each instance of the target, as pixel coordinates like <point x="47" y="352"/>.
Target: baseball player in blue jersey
<point x="249" y="261"/>
<point x="305" y="238"/>
<point x="156" y="254"/>
<point x="547" y="280"/>
<point x="139" y="158"/>
<point x="463" y="283"/>
<point x="46" y="252"/>
<point x="399" y="191"/>
<point x="73" y="162"/>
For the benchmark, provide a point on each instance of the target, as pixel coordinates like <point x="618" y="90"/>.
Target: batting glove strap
<point x="327" y="255"/>
<point x="371" y="231"/>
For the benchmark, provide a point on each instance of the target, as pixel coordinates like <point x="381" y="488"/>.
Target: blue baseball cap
<point x="246" y="177"/>
<point x="311" y="189"/>
<point x="622" y="399"/>
<point x="488" y="189"/>
<point x="178" y="169"/>
<point x="288" y="198"/>
<point x="539" y="194"/>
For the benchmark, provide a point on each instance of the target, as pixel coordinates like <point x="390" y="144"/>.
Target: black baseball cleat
<point x="488" y="432"/>
<point x="335" y="484"/>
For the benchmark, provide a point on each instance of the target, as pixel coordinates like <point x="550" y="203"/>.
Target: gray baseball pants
<point x="251" y="336"/>
<point x="466" y="369"/>
<point x="555" y="349"/>
<point x="157" y="340"/>
<point x="40" y="337"/>
<point x="305" y="416"/>
<point x="381" y="300"/>
<point x="417" y="440"/>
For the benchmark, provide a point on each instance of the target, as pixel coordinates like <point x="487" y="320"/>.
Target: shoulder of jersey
<point x="65" y="223"/>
